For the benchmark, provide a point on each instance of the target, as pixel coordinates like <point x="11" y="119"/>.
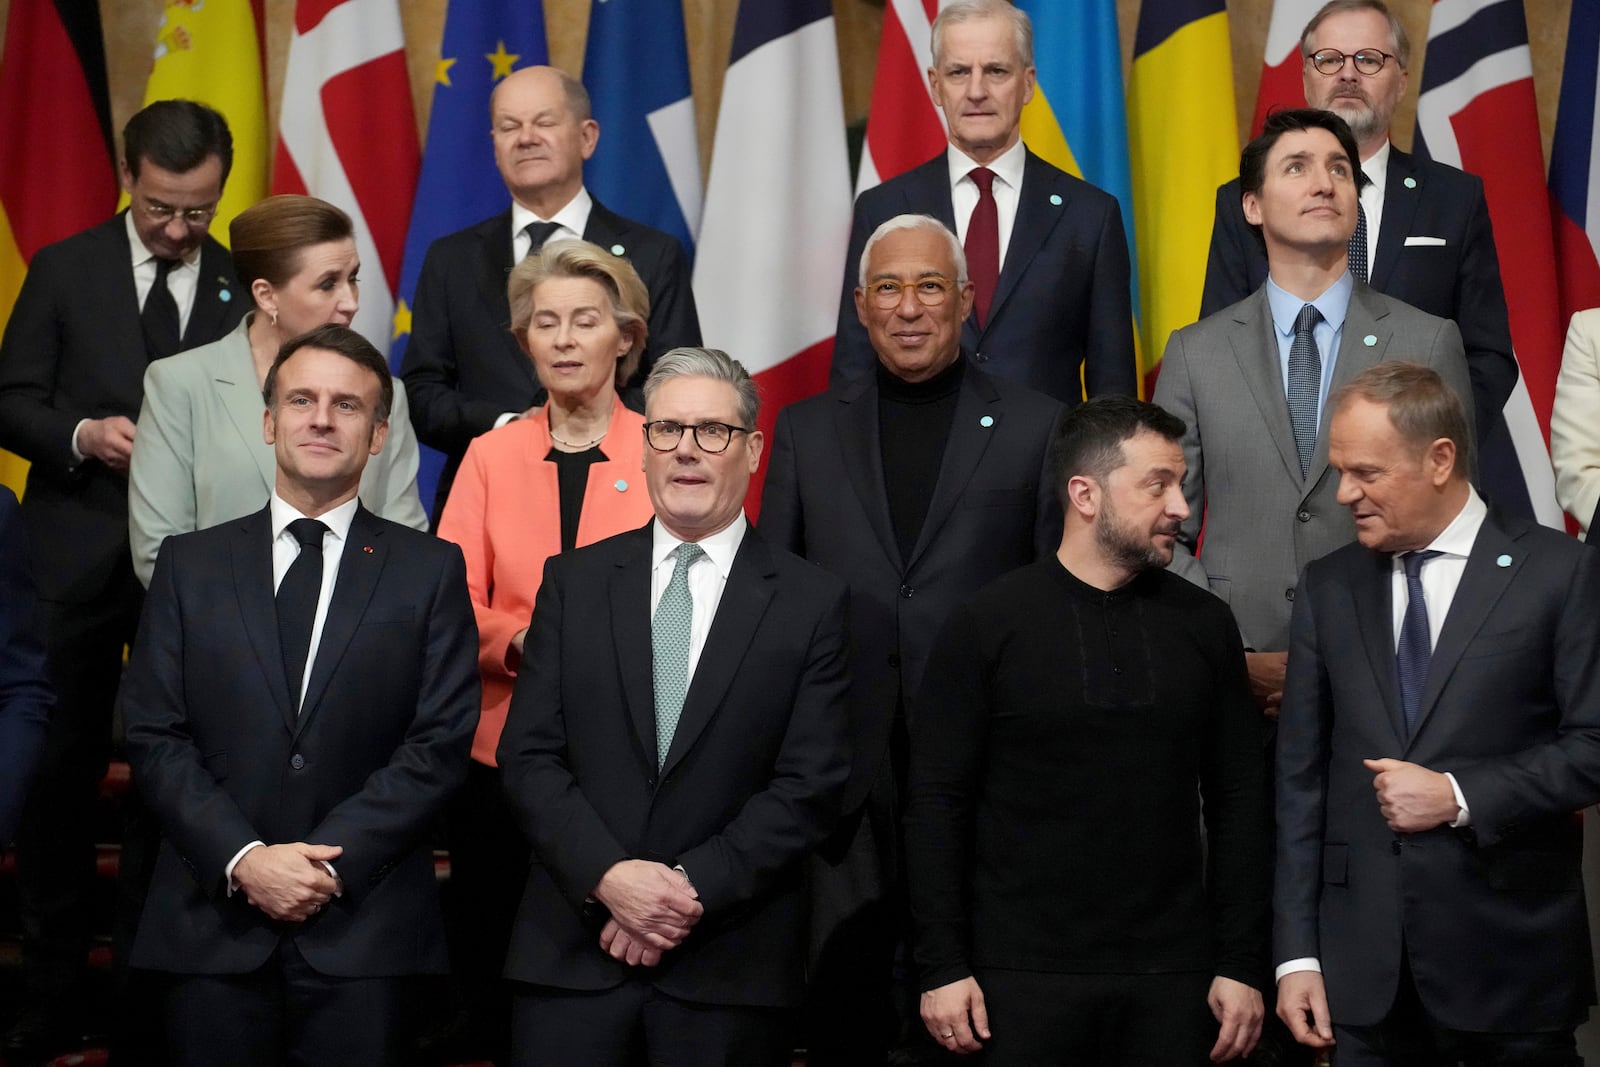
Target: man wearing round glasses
<point x="1424" y="236"/>
<point x="95" y="309"/>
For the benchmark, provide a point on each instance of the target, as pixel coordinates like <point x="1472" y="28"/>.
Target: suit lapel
<point x="963" y="450"/>
<point x="856" y="417"/>
<point x="1037" y="216"/>
<point x="235" y="386"/>
<point x="630" y="632"/>
<point x="608" y="230"/>
<point x="1366" y="318"/>
<point x="744" y="601"/>
<point x="214" y="296"/>
<point x="1373" y="594"/>
<point x="1255" y="349"/>
<point x="1399" y="208"/>
<point x="360" y="564"/>
<point x="252" y="587"/>
<point x="124" y="295"/>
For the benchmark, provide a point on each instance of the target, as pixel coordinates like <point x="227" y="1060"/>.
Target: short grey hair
<point x="958" y="255"/>
<point x="976" y="10"/>
<point x="1399" y="40"/>
<point x="710" y="363"/>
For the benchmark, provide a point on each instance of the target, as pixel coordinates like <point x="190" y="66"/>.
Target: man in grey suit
<point x="1250" y="385"/>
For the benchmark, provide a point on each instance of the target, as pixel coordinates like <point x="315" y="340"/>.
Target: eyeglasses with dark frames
<point x="1331" y="61"/>
<point x="663" y="435"/>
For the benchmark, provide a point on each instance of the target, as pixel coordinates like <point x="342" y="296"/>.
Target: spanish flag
<point x="53" y="106"/>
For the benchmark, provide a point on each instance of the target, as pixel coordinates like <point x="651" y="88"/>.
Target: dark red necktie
<point x="983" y="243"/>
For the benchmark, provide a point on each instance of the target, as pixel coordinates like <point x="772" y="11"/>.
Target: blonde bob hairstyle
<point x="630" y="301"/>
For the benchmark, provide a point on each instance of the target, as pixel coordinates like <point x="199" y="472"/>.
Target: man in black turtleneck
<point x="917" y="485"/>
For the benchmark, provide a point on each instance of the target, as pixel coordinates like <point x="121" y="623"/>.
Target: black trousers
<point x="635" y="1025"/>
<point x="286" y="1012"/>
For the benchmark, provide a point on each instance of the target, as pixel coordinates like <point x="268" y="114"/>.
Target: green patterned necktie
<point x="669" y="643"/>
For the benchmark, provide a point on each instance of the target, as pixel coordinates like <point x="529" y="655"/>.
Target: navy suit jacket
<point x="1491" y="915"/>
<point x="751" y="783"/>
<point x="1457" y="278"/>
<point x="1062" y="317"/>
<point x="25" y="694"/>
<point x="462" y="367"/>
<point x="994" y="509"/>
<point x="379" y="745"/>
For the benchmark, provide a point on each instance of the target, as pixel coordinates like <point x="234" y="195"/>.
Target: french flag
<point x="1575" y="165"/>
<point x="777" y="212"/>
<point x="904" y="127"/>
<point x="347" y="133"/>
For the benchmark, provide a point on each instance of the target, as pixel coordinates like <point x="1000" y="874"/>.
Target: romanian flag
<point x="1184" y="142"/>
<point x="211" y="53"/>
<point x="52" y="97"/>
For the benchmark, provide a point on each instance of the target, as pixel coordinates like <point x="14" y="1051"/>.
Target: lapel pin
<point x="225" y="295"/>
<point x="367" y="549"/>
<point x="1370" y="339"/>
<point x="622" y="485"/>
<point x="986" y="422"/>
<point x="1055" y="198"/>
<point x="617" y="250"/>
<point x="1411" y="183"/>
<point x="1502" y="561"/>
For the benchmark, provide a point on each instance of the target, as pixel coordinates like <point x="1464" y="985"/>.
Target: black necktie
<point x="160" y="314"/>
<point x="1304" y="385"/>
<point x="297" y="602"/>
<point x="538" y="233"/>
<point x="1358" y="245"/>
<point x="1415" y="649"/>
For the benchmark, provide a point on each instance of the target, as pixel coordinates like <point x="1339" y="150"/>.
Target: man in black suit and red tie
<point x="1046" y="251"/>
<point x="1440" y="731"/>
<point x="94" y="310"/>
<point x="299" y="707"/>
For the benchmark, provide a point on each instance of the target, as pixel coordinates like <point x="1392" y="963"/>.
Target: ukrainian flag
<point x="1184" y="142"/>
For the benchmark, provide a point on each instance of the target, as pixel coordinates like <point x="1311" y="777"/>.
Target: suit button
<point x="1288" y="594"/>
<point x="297" y="761"/>
<point x="1394" y="846"/>
<point x="894" y="660"/>
<point x="1303" y="515"/>
<point x="981" y="357"/>
<point x="906" y="591"/>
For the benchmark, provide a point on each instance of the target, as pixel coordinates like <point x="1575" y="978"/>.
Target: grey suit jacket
<point x="1263" y="522"/>
<point x="199" y="458"/>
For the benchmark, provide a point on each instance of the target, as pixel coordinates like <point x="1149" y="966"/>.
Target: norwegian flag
<point x="347" y="134"/>
<point x="1477" y="111"/>
<point x="904" y="128"/>
<point x="1282" y="83"/>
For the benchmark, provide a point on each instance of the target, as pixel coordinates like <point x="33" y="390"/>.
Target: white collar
<point x="719" y="547"/>
<point x="1007" y="166"/>
<point x="337" y="521"/>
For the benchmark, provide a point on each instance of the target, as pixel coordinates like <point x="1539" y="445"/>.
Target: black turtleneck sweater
<point x="1065" y="739"/>
<point x="913" y="425"/>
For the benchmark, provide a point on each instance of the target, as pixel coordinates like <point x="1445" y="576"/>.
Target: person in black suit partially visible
<point x="676" y="747"/>
<point x="25" y="693"/>
<point x="299" y="706"/>
<point x="94" y="310"/>
<point x="463" y="371"/>
<point x="1047" y="252"/>
<point x="1424" y="237"/>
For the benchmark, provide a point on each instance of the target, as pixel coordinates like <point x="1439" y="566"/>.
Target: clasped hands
<point x="289" y="881"/>
<point x="653" y="907"/>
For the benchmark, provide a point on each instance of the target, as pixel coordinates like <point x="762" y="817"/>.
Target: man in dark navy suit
<point x="25" y="693"/>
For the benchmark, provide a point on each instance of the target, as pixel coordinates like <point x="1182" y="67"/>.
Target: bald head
<point x="543" y="131"/>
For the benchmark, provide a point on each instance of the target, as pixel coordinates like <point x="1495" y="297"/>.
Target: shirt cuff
<point x="1304" y="963"/>
<point x="77" y="456"/>
<point x="227" y="872"/>
<point x="1465" y="817"/>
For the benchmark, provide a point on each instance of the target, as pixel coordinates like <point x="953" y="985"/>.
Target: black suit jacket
<point x="1458" y="278"/>
<point x="1062" y="317"/>
<point x="380" y="743"/>
<point x="751" y="782"/>
<point x="993" y="510"/>
<point x="1491" y="915"/>
<point x="73" y="350"/>
<point x="25" y="694"/>
<point x="462" y="367"/>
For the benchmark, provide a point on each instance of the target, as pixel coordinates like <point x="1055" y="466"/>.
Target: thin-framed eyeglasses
<point x="164" y="213"/>
<point x="1331" y="61"/>
<point x="663" y="435"/>
<point x="931" y="290"/>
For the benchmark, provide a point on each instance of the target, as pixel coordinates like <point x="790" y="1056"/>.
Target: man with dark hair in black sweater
<point x="1075" y="719"/>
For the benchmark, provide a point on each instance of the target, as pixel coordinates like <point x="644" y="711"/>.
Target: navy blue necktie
<point x="1358" y="245"/>
<point x="538" y="233"/>
<point x="297" y="598"/>
<point x="1416" y="646"/>
<point x="159" y="318"/>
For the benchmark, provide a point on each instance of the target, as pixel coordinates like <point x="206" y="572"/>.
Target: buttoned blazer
<point x="1575" y="420"/>
<point x="505" y="513"/>
<point x="1263" y="522"/>
<point x="1491" y="916"/>
<point x="199" y="458"/>
<point x="25" y="693"/>
<point x="380" y="743"/>
<point x="1455" y="274"/>
<point x="1062" y="317"/>
<point x="461" y="364"/>
<point x="751" y="783"/>
<point x="994" y="508"/>
<point x="73" y="350"/>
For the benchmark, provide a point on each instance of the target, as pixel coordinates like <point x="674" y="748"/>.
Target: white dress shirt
<point x="1007" y="188"/>
<point x="708" y="577"/>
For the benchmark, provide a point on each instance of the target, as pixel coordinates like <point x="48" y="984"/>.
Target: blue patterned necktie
<point x="1305" y="382"/>
<point x="1358" y="245"/>
<point x="669" y="644"/>
<point x="1416" y="646"/>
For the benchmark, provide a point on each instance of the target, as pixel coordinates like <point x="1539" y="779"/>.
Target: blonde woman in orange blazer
<point x="555" y="478"/>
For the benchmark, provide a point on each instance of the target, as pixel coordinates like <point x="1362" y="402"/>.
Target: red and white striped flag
<point x="904" y="128"/>
<point x="347" y="133"/>
<point x="777" y="208"/>
<point x="1282" y="80"/>
<point x="1477" y="111"/>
